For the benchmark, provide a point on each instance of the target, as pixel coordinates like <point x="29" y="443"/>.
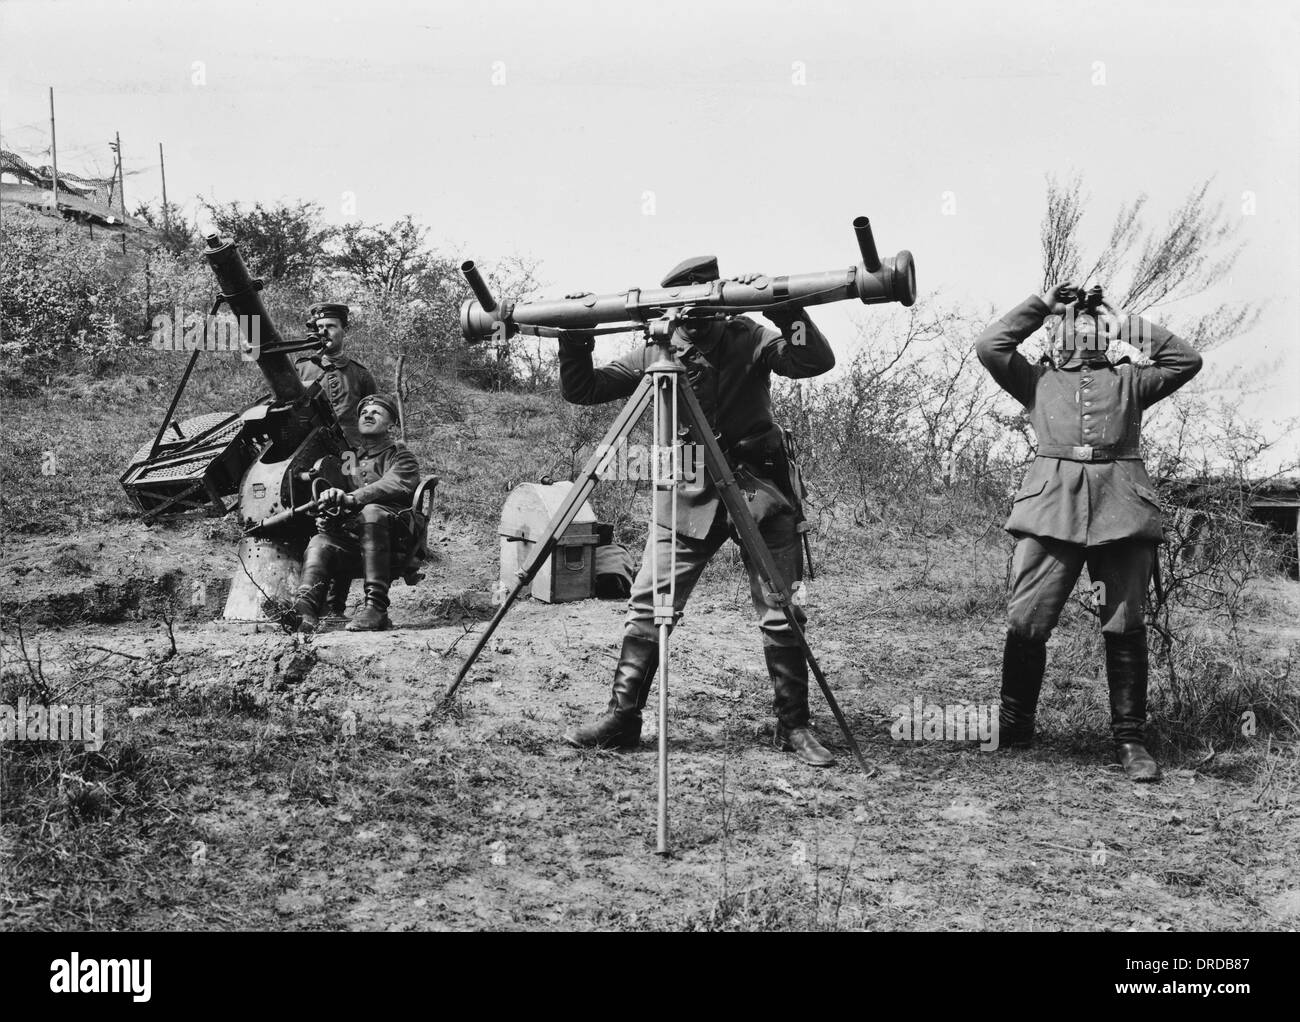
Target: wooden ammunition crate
<point x="570" y="572"/>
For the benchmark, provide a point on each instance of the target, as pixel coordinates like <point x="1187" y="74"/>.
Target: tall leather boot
<point x="311" y="586"/>
<point x="1126" y="673"/>
<point x="336" y="600"/>
<point x="373" y="617"/>
<point x="619" y="727"/>
<point x="1023" y="664"/>
<point x="789" y="671"/>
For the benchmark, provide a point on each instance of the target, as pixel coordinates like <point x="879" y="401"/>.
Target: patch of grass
<point x="89" y="831"/>
<point x="171" y="823"/>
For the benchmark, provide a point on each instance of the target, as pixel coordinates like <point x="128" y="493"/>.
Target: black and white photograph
<point x="783" y="466"/>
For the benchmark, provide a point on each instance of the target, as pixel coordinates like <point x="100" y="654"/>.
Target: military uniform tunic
<point x="386" y="473"/>
<point x="732" y="379"/>
<point x="1087" y="497"/>
<point x="345" y="382"/>
<point x="1088" y="484"/>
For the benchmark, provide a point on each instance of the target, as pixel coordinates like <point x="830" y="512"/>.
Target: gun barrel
<point x="241" y="294"/>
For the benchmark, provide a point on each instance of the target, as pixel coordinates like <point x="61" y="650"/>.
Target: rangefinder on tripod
<point x="873" y="281"/>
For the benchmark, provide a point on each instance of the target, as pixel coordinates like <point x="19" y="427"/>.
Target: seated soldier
<point x="370" y="541"/>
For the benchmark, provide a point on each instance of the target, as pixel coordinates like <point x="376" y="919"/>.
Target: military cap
<point x="385" y="402"/>
<point x="696" y="270"/>
<point x="327" y="310"/>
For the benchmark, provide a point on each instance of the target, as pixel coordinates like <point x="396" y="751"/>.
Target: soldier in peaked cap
<point x="374" y="537"/>
<point x="1086" y="499"/>
<point x="729" y="364"/>
<point x="344" y="380"/>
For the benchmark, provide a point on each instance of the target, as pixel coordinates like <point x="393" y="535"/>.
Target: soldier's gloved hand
<point x="1052" y="297"/>
<point x="785" y="316"/>
<point x="334" y="497"/>
<point x="577" y="340"/>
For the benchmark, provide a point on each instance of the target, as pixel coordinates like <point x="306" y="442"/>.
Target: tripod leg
<point x="666" y="395"/>
<point x="752" y="541"/>
<point x="661" y="845"/>
<point x="563" y="518"/>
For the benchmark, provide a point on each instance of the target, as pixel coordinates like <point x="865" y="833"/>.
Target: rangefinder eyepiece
<point x="478" y="285"/>
<point x="866" y="244"/>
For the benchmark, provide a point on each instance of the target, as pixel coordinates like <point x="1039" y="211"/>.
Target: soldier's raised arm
<point x="997" y="346"/>
<point x="796" y="349"/>
<point x="583" y="384"/>
<point x="1174" y="361"/>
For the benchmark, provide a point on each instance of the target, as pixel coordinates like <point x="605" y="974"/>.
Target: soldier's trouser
<point x="1043" y="574"/>
<point x="343" y="546"/>
<point x="778" y="531"/>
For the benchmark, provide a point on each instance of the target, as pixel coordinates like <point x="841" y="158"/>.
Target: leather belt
<point x="1087" y="452"/>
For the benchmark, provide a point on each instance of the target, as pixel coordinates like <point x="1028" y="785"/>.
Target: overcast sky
<point x="610" y="140"/>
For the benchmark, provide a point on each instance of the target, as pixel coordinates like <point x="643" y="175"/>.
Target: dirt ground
<point x="253" y="779"/>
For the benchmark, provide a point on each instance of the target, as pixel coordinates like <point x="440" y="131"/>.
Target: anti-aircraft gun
<point x="275" y="455"/>
<point x="304" y="444"/>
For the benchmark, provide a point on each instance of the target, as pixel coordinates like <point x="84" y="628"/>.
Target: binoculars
<point x="1083" y="301"/>
<point x="873" y="281"/>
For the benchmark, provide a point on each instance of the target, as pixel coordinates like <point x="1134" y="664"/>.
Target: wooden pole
<point x="54" y="153"/>
<point x="121" y="179"/>
<point x="401" y="411"/>
<point x="121" y="186"/>
<point x="162" y="168"/>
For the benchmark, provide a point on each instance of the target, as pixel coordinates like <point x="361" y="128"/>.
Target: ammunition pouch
<point x="762" y="453"/>
<point x="767" y="454"/>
